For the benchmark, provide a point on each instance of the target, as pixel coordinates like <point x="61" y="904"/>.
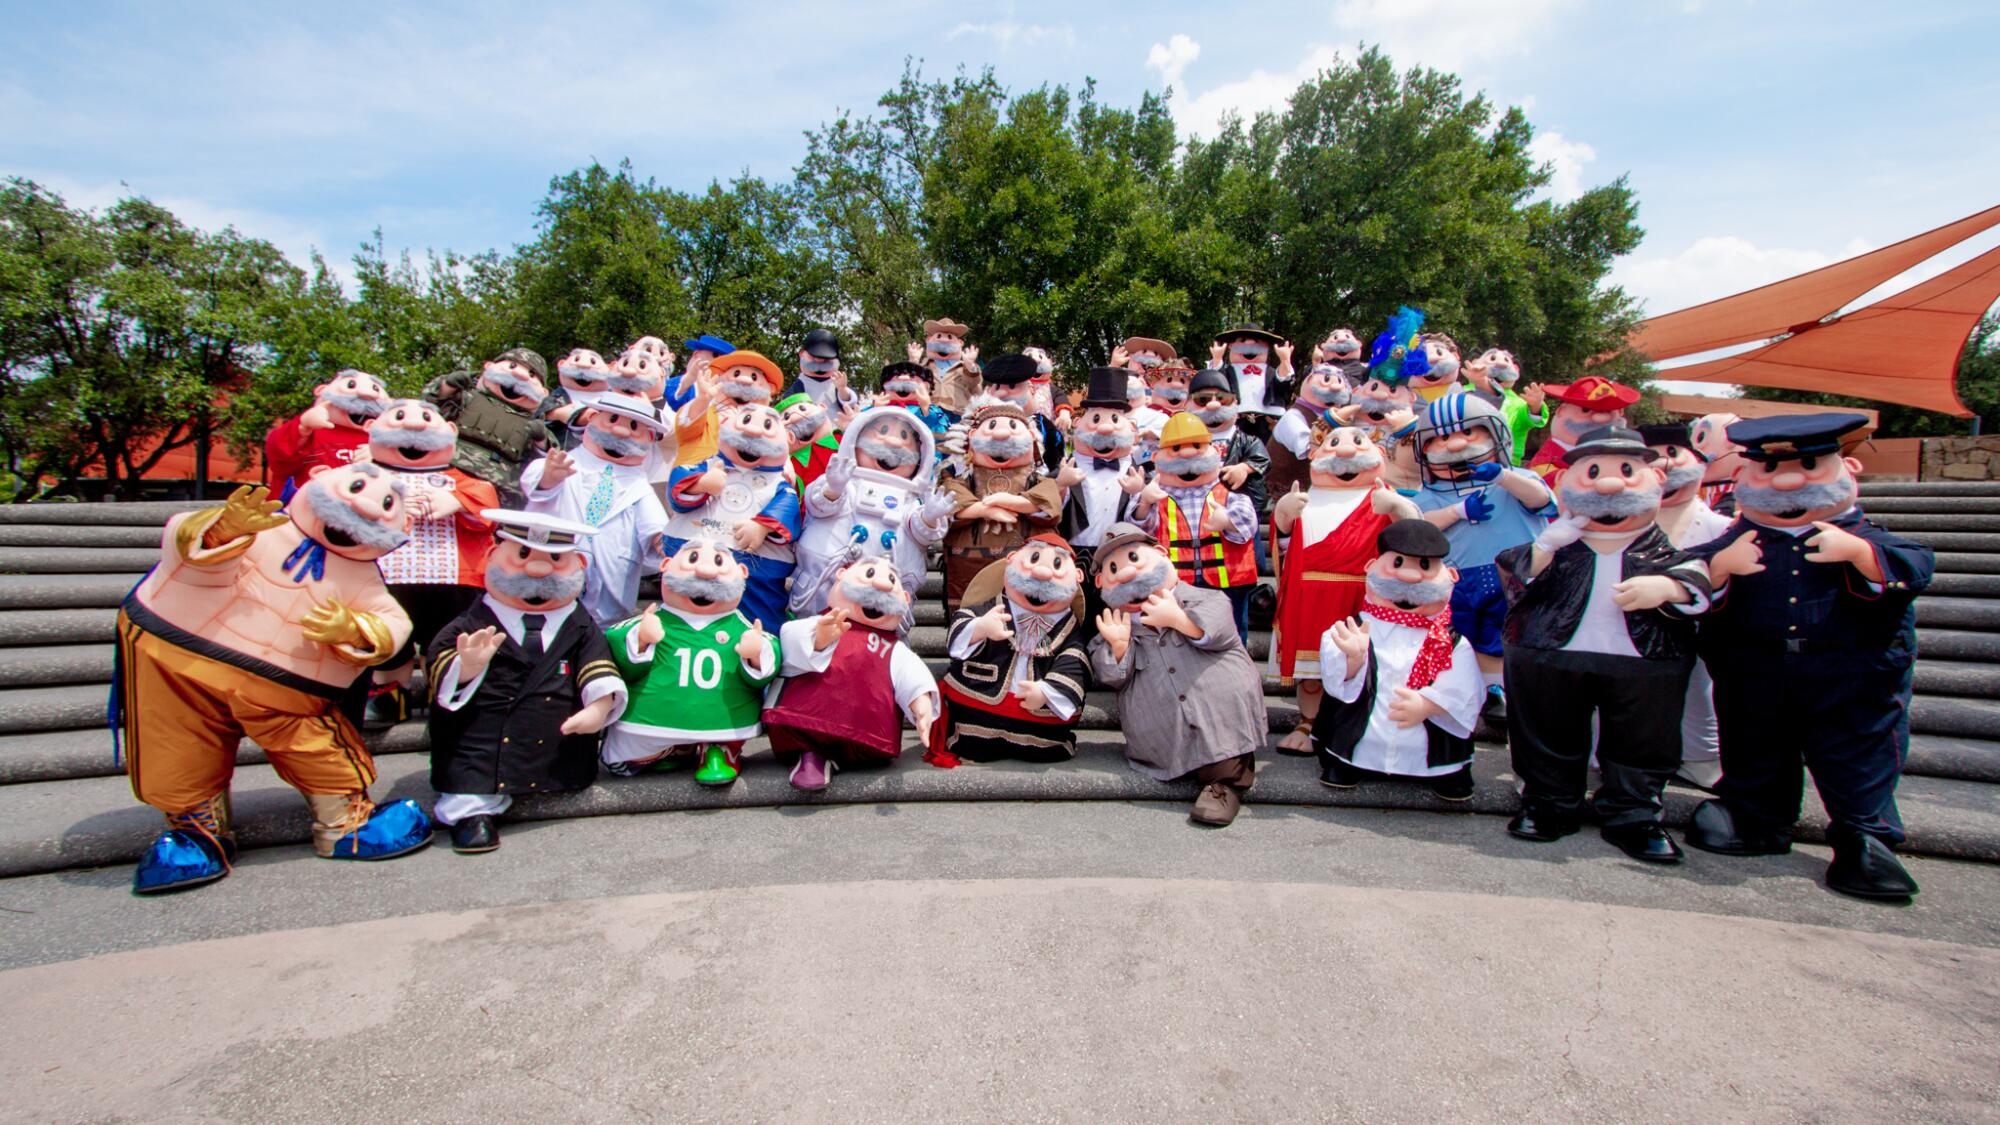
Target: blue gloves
<point x="1477" y="508"/>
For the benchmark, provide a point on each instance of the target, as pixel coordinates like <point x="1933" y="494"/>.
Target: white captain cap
<point x="539" y="530"/>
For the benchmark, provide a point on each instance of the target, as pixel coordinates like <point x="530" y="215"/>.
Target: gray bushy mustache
<point x="756" y="447"/>
<point x="1680" y="476"/>
<point x="1101" y="443"/>
<point x="1041" y="591"/>
<point x="1409" y="595"/>
<point x="746" y="392"/>
<point x="1459" y="456"/>
<point x="886" y="455"/>
<point x="1140" y="588"/>
<point x="399" y="438"/>
<point x="803" y="428"/>
<point x="577" y="374"/>
<point x="1616" y="506"/>
<point x="615" y="445"/>
<point x="1445" y="367"/>
<point x="903" y="388"/>
<point x="341" y="516"/>
<point x="717" y="591"/>
<point x="1189" y="466"/>
<point x="356" y="406"/>
<point x="509" y="382"/>
<point x="1174" y="395"/>
<point x="881" y="603"/>
<point x="1375" y="404"/>
<point x="1503" y="374"/>
<point x="1811" y="497"/>
<point x="549" y="589"/>
<point x="1218" y="416"/>
<point x="1347" y="466"/>
<point x="631" y="384"/>
<point x="1001" y="447"/>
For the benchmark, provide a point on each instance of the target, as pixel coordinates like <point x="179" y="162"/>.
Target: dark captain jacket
<point x="1545" y="613"/>
<point x="982" y="675"/>
<point x="1796" y="606"/>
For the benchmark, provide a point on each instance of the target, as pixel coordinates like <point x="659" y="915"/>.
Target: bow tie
<point x="1253" y="369"/>
<point x="1112" y="463"/>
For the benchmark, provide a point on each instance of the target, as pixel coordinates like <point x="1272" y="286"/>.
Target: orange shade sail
<point x="1788" y="305"/>
<point x="1903" y="349"/>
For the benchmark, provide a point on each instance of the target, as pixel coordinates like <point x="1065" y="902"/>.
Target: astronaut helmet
<point x="879" y="489"/>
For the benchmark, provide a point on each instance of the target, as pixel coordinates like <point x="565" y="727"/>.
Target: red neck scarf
<point x="1435" y="656"/>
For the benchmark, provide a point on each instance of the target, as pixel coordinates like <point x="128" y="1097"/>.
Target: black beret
<point x="821" y="344"/>
<point x="1009" y="370"/>
<point x="1417" y="538"/>
<point x="1211" y="379"/>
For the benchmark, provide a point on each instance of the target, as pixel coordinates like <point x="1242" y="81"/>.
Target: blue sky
<point x="1763" y="137"/>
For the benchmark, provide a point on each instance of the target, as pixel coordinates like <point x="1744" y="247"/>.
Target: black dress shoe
<point x="1455" y="786"/>
<point x="1337" y="774"/>
<point x="1713" y="828"/>
<point x="475" y="834"/>
<point x="1863" y="866"/>
<point x="1646" y="842"/>
<point x="1540" y="828"/>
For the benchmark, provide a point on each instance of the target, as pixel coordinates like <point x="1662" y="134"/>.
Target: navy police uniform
<point x="1812" y="661"/>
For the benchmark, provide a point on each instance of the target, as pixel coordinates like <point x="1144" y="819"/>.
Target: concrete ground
<point x="1061" y="961"/>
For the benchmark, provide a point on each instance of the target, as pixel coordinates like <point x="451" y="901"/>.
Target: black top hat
<point x="1107" y="390"/>
<point x="1667" y="433"/>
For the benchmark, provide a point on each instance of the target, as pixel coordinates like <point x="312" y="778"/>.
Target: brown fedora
<point x="1147" y="344"/>
<point x="948" y="325"/>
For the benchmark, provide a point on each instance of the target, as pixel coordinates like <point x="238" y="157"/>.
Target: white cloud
<point x="1711" y="267"/>
<point x="1566" y="159"/>
<point x="1007" y="33"/>
<point x="1447" y="34"/>
<point x="1200" y="115"/>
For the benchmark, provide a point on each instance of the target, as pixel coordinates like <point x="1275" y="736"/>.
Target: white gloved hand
<point x="1564" y="531"/>
<point x="839" y="471"/>
<point x="938" y="506"/>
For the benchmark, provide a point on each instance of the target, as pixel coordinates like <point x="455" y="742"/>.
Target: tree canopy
<point x="1039" y="217"/>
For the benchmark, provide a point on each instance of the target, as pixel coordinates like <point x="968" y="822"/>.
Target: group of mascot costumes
<point x="1704" y="602"/>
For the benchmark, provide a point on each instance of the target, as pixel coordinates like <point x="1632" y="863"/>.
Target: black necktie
<point x="531" y="633"/>
<point x="1105" y="462"/>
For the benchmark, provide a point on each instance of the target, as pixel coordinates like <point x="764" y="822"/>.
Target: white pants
<point x="454" y="807"/>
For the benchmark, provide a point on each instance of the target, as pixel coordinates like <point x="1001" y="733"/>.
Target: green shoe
<point x="716" y="769"/>
<point x="668" y="764"/>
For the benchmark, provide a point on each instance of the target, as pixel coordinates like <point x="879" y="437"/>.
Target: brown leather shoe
<point x="1217" y="806"/>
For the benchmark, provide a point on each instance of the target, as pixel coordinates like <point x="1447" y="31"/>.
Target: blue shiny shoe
<point x="178" y="860"/>
<point x="394" y="829"/>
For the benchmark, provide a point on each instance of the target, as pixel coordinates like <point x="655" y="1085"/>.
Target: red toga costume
<point x="1321" y="580"/>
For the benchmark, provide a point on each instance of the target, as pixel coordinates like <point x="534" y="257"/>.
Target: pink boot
<point x="813" y="772"/>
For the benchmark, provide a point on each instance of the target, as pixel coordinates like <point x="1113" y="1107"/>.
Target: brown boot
<point x="1217" y="806"/>
<point x="335" y="815"/>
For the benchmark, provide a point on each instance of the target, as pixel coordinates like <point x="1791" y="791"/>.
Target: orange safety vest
<point x="1212" y="560"/>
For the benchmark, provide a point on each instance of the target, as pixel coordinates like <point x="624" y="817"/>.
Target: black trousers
<point x="1845" y="716"/>
<point x="1551" y="696"/>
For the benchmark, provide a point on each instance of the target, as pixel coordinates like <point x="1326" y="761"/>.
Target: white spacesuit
<point x="879" y="512"/>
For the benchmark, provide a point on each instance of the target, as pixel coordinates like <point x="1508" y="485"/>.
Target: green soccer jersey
<point x="692" y="686"/>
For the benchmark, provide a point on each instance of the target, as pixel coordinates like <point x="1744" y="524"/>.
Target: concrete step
<point x="1950" y="677"/>
<point x="78" y="535"/>
<point x="1980" y="541"/>
<point x="149" y="513"/>
<point x="66" y="591"/>
<point x="1958" y="613"/>
<point x="1954" y="644"/>
<point x="56" y="664"/>
<point x="1960" y="718"/>
<point x="60" y="707"/>
<point x="1964" y="586"/>
<point x="65" y="560"/>
<point x="1968" y="562"/>
<point x="86" y="752"/>
<point x="57" y="626"/>
<point x="1906" y="522"/>
<point x="1873" y="489"/>
<point x="1877" y="506"/>
<point x="95" y="822"/>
